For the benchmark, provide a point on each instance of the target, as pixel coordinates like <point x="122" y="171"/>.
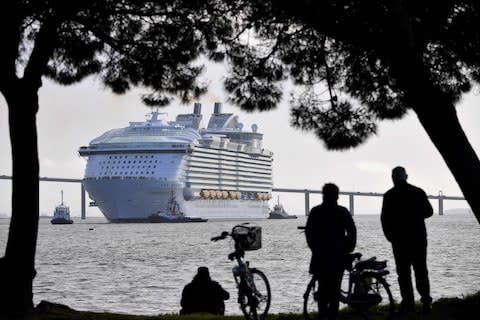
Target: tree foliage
<point x="149" y="44"/>
<point x="156" y="45"/>
<point x="339" y="56"/>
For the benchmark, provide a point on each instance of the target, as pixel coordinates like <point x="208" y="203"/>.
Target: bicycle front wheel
<point x="255" y="297"/>
<point x="310" y="300"/>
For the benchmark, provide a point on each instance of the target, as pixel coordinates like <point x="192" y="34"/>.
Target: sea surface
<point x="142" y="268"/>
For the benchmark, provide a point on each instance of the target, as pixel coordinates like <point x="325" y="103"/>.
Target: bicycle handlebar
<point x="222" y="236"/>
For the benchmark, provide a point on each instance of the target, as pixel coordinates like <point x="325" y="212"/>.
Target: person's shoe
<point x="406" y="308"/>
<point x="426" y="308"/>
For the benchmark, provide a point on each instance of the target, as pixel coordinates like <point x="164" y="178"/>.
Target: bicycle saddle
<point x="354" y="255"/>
<point x="350" y="257"/>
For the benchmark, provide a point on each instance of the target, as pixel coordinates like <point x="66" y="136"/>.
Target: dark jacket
<point x="331" y="234"/>
<point x="404" y="210"/>
<point x="203" y="295"/>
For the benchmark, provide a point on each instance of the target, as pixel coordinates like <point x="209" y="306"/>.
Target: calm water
<point x="142" y="268"/>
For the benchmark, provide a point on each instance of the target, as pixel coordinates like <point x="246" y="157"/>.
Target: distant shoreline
<point x="447" y="212"/>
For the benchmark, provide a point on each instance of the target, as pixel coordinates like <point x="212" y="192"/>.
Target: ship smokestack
<point x="197" y="108"/>
<point x="217" y="108"/>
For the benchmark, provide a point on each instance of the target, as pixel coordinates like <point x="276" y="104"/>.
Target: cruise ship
<point x="218" y="172"/>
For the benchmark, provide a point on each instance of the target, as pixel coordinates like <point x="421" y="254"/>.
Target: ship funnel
<point x="197" y="108"/>
<point x="217" y="108"/>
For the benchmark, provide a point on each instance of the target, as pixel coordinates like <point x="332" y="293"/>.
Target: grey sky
<point x="70" y="117"/>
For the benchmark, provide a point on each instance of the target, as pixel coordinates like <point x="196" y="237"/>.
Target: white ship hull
<point x="134" y="200"/>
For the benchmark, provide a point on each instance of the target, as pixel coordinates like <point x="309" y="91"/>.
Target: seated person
<point x="203" y="295"/>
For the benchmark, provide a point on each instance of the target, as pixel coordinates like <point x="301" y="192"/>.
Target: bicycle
<point x="254" y="295"/>
<point x="367" y="287"/>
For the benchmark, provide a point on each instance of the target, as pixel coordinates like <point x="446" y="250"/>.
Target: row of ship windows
<point x="124" y="173"/>
<point x="236" y="173"/>
<point x="232" y="158"/>
<point x="131" y="157"/>
<point x="225" y="152"/>
<point x="126" y="177"/>
<point x="240" y="164"/>
<point x="207" y="155"/>
<point x="129" y="161"/>
<point x="230" y="179"/>
<point x="229" y="163"/>
<point x="126" y="167"/>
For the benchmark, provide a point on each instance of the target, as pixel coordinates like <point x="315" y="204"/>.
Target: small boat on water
<point x="61" y="215"/>
<point x="162" y="217"/>
<point x="172" y="214"/>
<point x="279" y="212"/>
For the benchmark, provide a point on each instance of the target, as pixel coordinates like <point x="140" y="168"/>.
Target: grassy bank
<point x="442" y="309"/>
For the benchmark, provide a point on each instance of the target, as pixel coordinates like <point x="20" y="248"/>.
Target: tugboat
<point x="61" y="215"/>
<point x="172" y="214"/>
<point x="279" y="212"/>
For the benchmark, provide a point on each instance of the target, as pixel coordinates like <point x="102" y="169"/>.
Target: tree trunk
<point x="437" y="114"/>
<point x="435" y="109"/>
<point x="441" y="123"/>
<point x="17" y="267"/>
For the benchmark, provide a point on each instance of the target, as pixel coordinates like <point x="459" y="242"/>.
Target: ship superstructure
<point x="217" y="172"/>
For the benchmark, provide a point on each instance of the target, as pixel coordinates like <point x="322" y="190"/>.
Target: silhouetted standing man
<point x="331" y="235"/>
<point x="405" y="208"/>
<point x="203" y="295"/>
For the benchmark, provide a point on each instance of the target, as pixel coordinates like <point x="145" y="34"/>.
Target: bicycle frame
<point x="358" y="278"/>
<point x="354" y="278"/>
<point x="251" y="300"/>
<point x="241" y="269"/>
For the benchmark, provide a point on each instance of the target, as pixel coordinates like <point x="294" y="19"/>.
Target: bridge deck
<point x="351" y="194"/>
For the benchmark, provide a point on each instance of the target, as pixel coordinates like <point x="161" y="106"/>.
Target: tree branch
<point x="333" y="97"/>
<point x="10" y="33"/>
<point x="281" y="39"/>
<point x="324" y="17"/>
<point x="42" y="52"/>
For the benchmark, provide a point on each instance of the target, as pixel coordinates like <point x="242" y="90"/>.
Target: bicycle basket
<point x="250" y="237"/>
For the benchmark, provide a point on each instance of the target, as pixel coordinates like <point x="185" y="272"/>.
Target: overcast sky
<point x="71" y="117"/>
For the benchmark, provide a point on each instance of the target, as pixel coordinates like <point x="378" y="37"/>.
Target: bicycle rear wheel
<point x="310" y="303"/>
<point x="369" y="292"/>
<point x="380" y="286"/>
<point x="255" y="298"/>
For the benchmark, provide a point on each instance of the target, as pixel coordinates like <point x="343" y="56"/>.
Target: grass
<point x="442" y="309"/>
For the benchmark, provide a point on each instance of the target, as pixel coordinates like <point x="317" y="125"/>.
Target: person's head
<point x="202" y="274"/>
<point x="330" y="193"/>
<point x="399" y="175"/>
